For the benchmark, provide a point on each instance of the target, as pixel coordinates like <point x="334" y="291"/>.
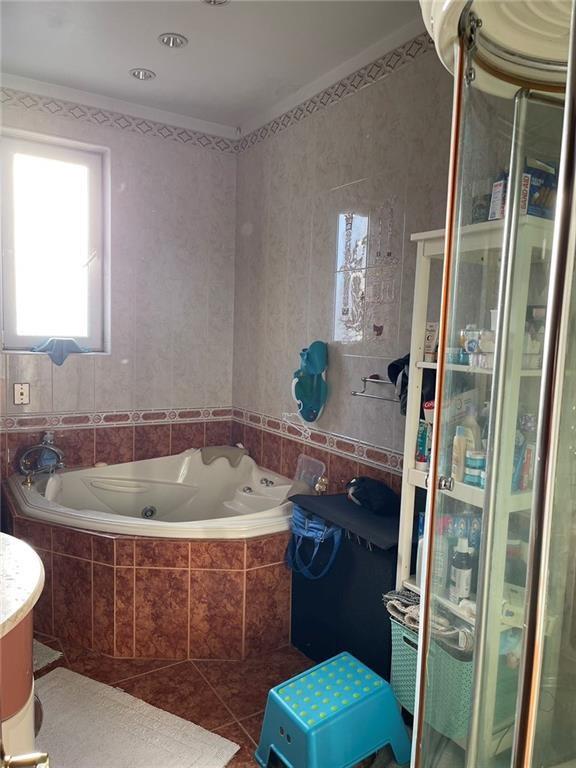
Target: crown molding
<point x="371" y="73"/>
<point x="37" y="96"/>
<point x="106" y="103"/>
<point x="334" y="76"/>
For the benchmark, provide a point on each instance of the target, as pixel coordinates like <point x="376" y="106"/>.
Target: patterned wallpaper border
<point x="328" y="441"/>
<point x="368" y="75"/>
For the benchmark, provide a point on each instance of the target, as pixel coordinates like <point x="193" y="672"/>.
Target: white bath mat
<point x="43" y="655"/>
<point x="91" y="725"/>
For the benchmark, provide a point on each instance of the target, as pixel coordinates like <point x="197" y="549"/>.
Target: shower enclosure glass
<point x="484" y="516"/>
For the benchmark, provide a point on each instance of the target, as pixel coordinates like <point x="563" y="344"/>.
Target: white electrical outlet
<point x="21" y="394"/>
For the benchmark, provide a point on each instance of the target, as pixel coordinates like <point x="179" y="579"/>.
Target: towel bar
<point x="365" y="380"/>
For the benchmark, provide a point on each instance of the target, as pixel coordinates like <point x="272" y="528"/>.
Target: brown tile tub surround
<point x="84" y="446"/>
<point x="175" y="599"/>
<point x="160" y="598"/>
<point x="269" y="442"/>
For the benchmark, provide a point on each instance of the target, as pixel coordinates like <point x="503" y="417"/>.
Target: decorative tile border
<point x="105" y="117"/>
<point x="368" y="75"/>
<point x="366" y="453"/>
<point x="114" y="418"/>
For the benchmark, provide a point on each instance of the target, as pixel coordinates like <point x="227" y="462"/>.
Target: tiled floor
<point x="227" y="697"/>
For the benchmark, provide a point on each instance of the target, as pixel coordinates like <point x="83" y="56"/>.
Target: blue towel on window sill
<point x="59" y="349"/>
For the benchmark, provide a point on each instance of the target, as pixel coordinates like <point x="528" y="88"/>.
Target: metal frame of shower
<point x="558" y="306"/>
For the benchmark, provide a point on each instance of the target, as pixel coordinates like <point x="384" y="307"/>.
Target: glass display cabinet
<point x="496" y="681"/>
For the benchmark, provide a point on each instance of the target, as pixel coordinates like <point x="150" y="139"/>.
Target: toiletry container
<point x="441" y="555"/>
<point x="462" y="441"/>
<point x="460" y="571"/>
<point x="472" y="425"/>
<point x="420" y="550"/>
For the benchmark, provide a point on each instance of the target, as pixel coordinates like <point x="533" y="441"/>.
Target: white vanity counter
<point x="21" y="581"/>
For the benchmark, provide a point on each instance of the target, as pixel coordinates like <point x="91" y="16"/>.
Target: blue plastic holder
<point x="309" y="388"/>
<point x="331" y="716"/>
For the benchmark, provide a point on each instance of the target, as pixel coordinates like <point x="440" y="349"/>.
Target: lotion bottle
<point x="459" y="446"/>
<point x="473" y="428"/>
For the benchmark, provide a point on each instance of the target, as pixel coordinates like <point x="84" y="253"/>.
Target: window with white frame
<point x="53" y="244"/>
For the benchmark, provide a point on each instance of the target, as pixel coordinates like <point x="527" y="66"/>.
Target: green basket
<point x="404" y="663"/>
<point x="449" y="689"/>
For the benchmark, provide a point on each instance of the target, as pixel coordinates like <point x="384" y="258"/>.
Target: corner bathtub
<point x="185" y="498"/>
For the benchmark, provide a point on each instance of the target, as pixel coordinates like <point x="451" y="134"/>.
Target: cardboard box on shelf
<point x="541" y="188"/>
<point x="455" y="407"/>
<point x="539" y="184"/>
<point x="498" y="200"/>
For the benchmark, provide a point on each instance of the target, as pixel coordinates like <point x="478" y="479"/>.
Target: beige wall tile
<point x="37" y="371"/>
<point x="384" y="151"/>
<point x="173" y="223"/>
<point x="224" y="267"/>
<point x="73" y="384"/>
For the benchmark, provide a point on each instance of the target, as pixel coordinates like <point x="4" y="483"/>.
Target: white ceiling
<point x="243" y="59"/>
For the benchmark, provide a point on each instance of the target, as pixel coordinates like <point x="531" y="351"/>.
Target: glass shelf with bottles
<point x="466" y="428"/>
<point x="454" y="575"/>
<point x="473" y="350"/>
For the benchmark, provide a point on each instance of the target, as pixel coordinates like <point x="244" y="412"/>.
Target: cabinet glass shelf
<point x="470" y="494"/>
<point x="536" y="372"/>
<point x="477" y="240"/>
<point x="505" y="622"/>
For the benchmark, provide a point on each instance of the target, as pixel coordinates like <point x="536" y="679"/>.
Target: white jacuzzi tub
<point x="185" y="498"/>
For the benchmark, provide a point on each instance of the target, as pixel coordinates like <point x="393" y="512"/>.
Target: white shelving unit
<point x="479" y="250"/>
<point x="478" y="243"/>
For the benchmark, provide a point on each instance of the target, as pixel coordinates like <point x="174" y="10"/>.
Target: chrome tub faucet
<point x="44" y="457"/>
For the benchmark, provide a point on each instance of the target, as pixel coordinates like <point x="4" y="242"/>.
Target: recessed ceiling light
<point x="142" y="74"/>
<point x="173" y="40"/>
<point x="217" y="2"/>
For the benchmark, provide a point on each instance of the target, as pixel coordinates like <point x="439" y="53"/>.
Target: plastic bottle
<point x="441" y="556"/>
<point x="460" y="572"/>
<point x="53" y="487"/>
<point x="485" y="424"/>
<point x="472" y="425"/>
<point x="420" y="552"/>
<point x="459" y="447"/>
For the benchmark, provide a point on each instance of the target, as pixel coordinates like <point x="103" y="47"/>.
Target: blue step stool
<point x="331" y="716"/>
